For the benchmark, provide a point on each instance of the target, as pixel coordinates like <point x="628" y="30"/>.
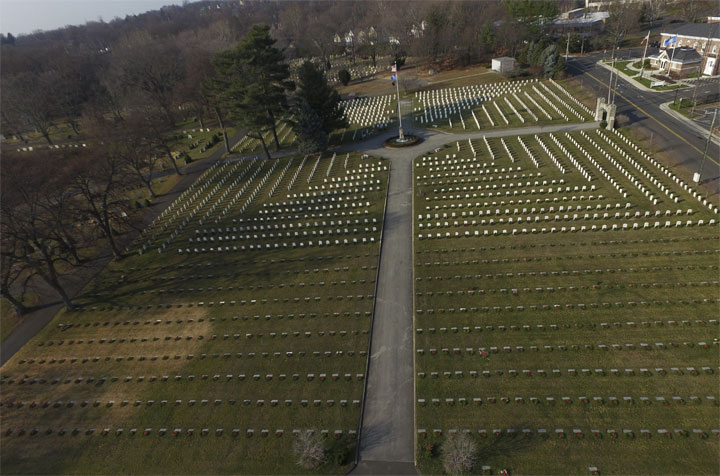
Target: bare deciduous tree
<point x="309" y="450"/>
<point x="33" y="243"/>
<point x="12" y="270"/>
<point x="29" y="96"/>
<point x="100" y="186"/>
<point x="459" y="453"/>
<point x="153" y="69"/>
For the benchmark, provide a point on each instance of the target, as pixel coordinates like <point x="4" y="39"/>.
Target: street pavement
<point x="640" y="110"/>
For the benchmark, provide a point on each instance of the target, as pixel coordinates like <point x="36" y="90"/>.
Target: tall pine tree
<point x="313" y="90"/>
<point x="311" y="137"/>
<point x="252" y="80"/>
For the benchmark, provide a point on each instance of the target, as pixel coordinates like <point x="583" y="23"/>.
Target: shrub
<point x="459" y="453"/>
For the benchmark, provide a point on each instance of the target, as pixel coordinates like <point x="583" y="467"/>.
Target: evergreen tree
<point x="310" y="135"/>
<point x="314" y="91"/>
<point x="252" y="79"/>
<point x="344" y="76"/>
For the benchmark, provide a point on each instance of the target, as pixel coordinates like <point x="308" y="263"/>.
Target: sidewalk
<point x="665" y="107"/>
<point x="627" y="78"/>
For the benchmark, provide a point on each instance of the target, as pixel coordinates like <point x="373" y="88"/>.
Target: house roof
<point x="681" y="55"/>
<point x="588" y="19"/>
<point x="698" y="30"/>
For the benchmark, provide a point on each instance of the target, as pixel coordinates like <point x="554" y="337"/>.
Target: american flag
<point x="394" y="69"/>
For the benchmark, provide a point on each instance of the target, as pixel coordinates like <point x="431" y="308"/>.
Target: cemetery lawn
<point x="457" y="79"/>
<point x="499" y="105"/>
<point x="378" y="84"/>
<point x="254" y="342"/>
<point x="160" y="185"/>
<point x="610" y="337"/>
<point x="251" y="145"/>
<point x="575" y="88"/>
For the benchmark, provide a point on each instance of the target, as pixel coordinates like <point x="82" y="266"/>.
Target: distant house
<point x="503" y="64"/>
<point x="677" y="62"/>
<point x="702" y="37"/>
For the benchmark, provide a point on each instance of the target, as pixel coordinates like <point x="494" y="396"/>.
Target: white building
<point x="503" y="64"/>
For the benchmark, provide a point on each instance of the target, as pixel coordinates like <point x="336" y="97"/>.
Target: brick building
<point x="701" y="37"/>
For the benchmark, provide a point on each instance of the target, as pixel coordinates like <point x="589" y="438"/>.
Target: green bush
<point x="340" y="450"/>
<point x="344" y="76"/>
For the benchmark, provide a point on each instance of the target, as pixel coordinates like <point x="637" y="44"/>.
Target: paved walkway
<point x="387" y="439"/>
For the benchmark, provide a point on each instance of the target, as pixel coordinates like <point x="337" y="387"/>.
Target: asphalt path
<point x="640" y="110"/>
<point x="387" y="437"/>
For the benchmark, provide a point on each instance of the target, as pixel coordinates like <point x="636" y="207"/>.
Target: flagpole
<point x="642" y="64"/>
<point x="673" y="53"/>
<point x="401" y="137"/>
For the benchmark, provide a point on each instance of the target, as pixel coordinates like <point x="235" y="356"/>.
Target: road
<point x="641" y="111"/>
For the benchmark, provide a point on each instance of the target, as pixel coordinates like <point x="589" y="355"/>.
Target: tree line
<point x="122" y="87"/>
<point x="55" y="204"/>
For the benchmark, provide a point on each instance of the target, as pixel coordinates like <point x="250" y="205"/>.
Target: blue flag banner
<point x="393" y="77"/>
<point x="670" y="40"/>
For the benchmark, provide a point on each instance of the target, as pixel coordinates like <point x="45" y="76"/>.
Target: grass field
<point x="366" y="117"/>
<point x="562" y="351"/>
<point x="498" y="105"/>
<point x="247" y="341"/>
<point x="646" y="80"/>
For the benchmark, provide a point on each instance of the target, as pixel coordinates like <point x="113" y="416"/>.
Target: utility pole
<point x="567" y="48"/>
<point x="696" y="177"/>
<point x="614" y="89"/>
<point x="612" y="70"/>
<point x="697" y="81"/>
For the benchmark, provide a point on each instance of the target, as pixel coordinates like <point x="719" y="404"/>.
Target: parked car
<point x="655" y="44"/>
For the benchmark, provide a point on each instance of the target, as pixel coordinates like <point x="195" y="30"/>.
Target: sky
<point x="25" y="16"/>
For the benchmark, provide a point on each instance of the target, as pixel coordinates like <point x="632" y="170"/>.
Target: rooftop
<point x="586" y="20"/>
<point x="682" y="55"/>
<point x="700" y="30"/>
